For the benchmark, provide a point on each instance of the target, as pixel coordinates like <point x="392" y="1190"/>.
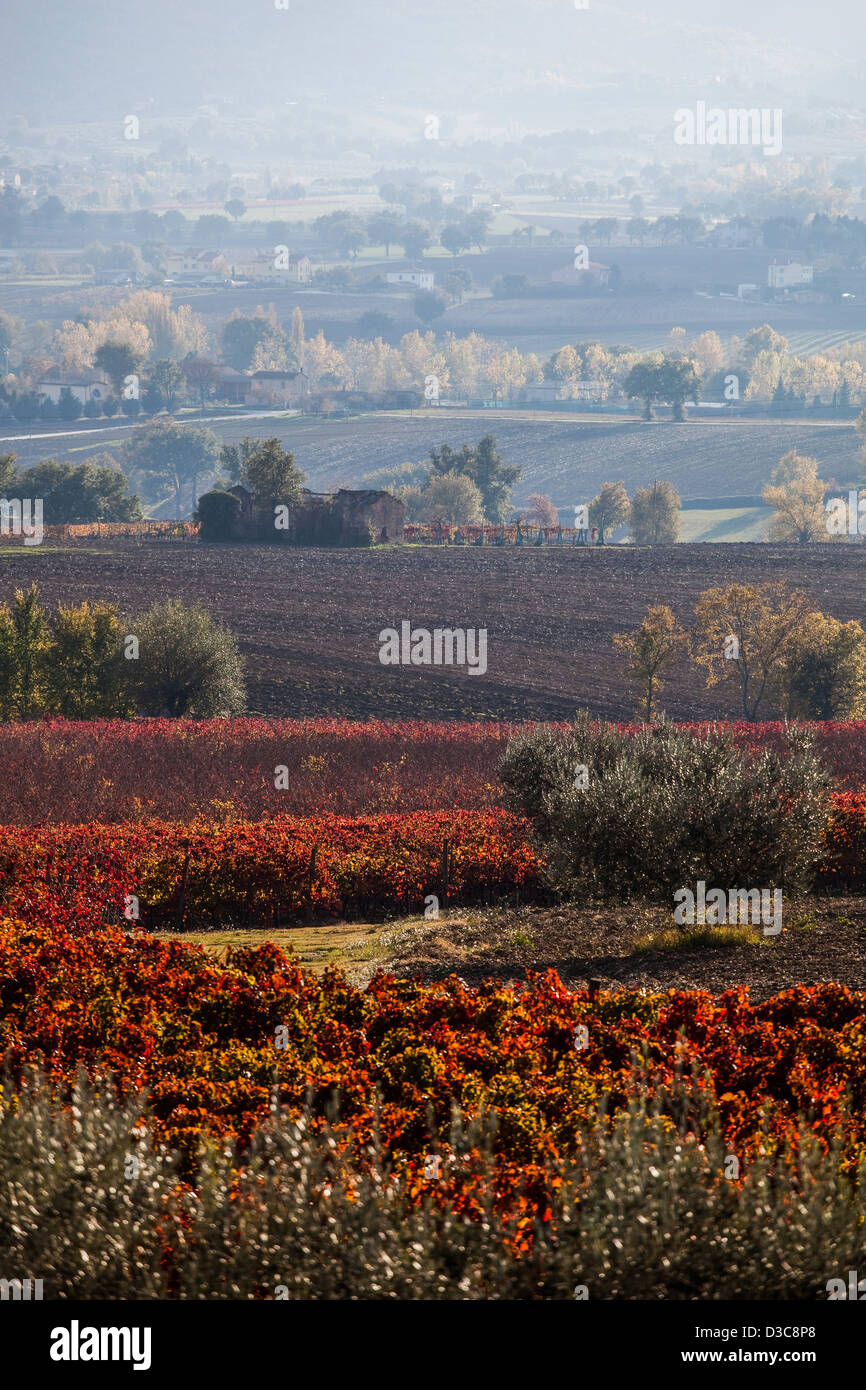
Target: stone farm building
<point x="343" y="518"/>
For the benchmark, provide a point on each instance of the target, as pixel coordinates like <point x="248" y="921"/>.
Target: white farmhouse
<point x="419" y="279"/>
<point x="790" y="275"/>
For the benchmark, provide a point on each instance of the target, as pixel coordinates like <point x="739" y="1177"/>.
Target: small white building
<point x="266" y="267"/>
<point x="419" y="279"/>
<point x="87" y="387"/>
<point x="789" y="275"/>
<point x="193" y="261"/>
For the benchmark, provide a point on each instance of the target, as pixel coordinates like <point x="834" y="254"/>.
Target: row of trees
<point x="346" y="234"/>
<point x="169" y="350"/>
<point x="767" y="641"/>
<point x="82" y="663"/>
<point x="94" y="490"/>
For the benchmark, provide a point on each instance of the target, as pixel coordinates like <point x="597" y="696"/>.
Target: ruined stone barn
<point x="342" y="518"/>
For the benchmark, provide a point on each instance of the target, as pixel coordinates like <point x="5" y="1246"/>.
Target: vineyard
<point x="480" y="1101"/>
<point x="223" y="771"/>
<point x="269" y="823"/>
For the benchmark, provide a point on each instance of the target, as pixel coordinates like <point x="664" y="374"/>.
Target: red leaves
<point x="224" y="770"/>
<point x="69" y="875"/>
<point x="202" y="1039"/>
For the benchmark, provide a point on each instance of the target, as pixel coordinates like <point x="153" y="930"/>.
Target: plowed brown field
<point x="308" y="620"/>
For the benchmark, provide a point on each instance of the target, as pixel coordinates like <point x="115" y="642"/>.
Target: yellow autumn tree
<point x="654" y="647"/>
<point x="745" y="634"/>
<point x="796" y="494"/>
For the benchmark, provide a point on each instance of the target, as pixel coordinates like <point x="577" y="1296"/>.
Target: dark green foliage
<point x="663" y="808"/>
<point x="218" y="513"/>
<point x="72" y="493"/>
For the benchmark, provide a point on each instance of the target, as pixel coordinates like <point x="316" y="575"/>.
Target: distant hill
<point x="542" y="64"/>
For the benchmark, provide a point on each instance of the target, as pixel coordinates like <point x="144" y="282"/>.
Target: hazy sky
<point x="99" y="59"/>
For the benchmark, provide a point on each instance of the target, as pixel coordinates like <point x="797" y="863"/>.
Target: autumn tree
<point x="452" y="498"/>
<point x="796" y="494"/>
<point x="609" y="509"/>
<point x="655" y="514"/>
<point x="656" y="645"/>
<point x="24" y="641"/>
<point x="85" y="669"/>
<point x="763" y="339"/>
<point x="823" y="675"/>
<point x="540" y="510"/>
<point x="745" y="636"/>
<point x="297" y="335"/>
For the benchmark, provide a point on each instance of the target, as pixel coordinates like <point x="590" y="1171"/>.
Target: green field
<point x="724" y="523"/>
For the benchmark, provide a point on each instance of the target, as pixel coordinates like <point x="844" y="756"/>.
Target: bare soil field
<point x="308" y="620"/>
<point x="570" y="459"/>
<point x="823" y="939"/>
<point x="625" y="947"/>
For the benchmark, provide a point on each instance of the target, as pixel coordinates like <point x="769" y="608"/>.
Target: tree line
<point x="83" y="662"/>
<point x="766" y="641"/>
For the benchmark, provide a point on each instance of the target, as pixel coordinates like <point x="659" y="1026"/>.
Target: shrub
<point x="85" y="667"/>
<point x="662" y="808"/>
<point x="218" y="513"/>
<point x="646" y="1211"/>
<point x="71" y="1214"/>
<point x="188" y="664"/>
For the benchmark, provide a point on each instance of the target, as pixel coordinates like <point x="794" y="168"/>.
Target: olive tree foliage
<point x="188" y="665"/>
<point x="298" y="1218"/>
<point x="622" y="815"/>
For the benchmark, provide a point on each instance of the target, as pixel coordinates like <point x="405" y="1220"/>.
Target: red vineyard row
<point x="216" y="1043"/>
<point x="219" y="770"/>
<point x="291" y="867"/>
